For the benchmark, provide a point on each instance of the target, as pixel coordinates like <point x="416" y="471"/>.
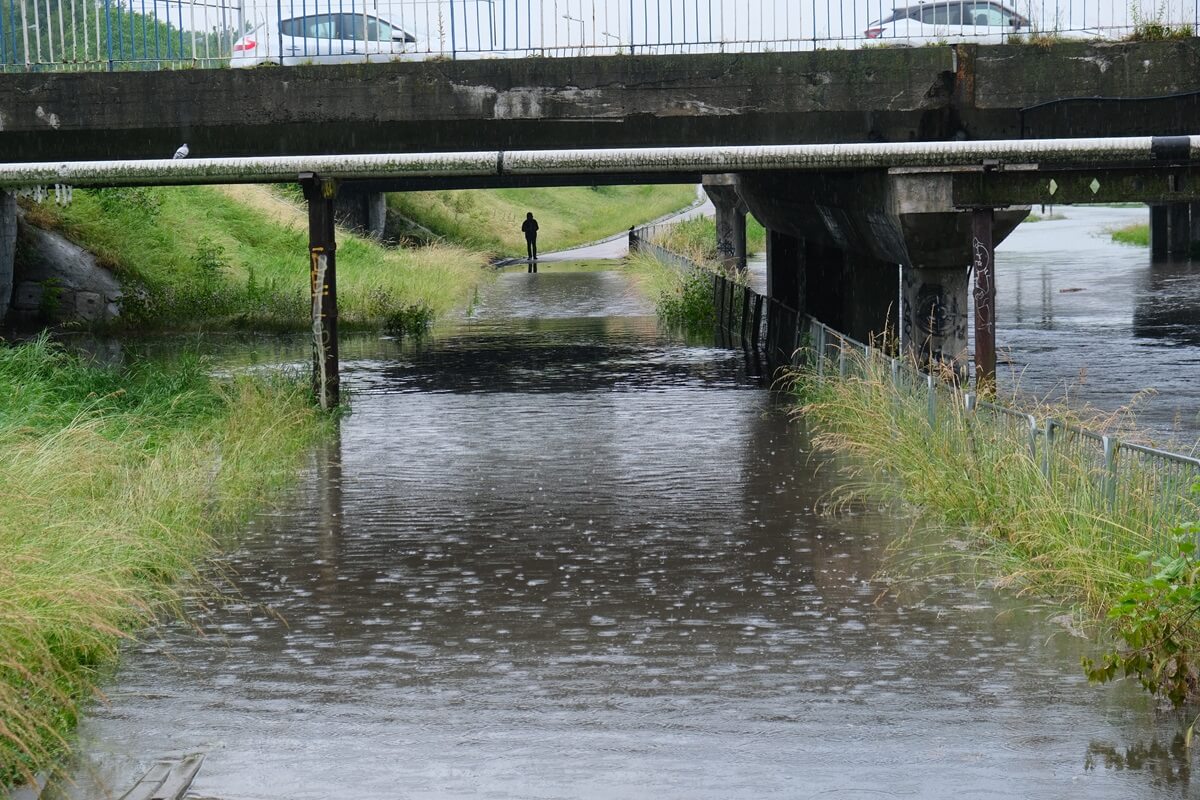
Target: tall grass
<point x="207" y="257"/>
<point x="116" y="483"/>
<point x="1055" y="535"/>
<point x="697" y="238"/>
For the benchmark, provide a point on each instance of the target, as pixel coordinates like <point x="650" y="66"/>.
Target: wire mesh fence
<point x="153" y="34"/>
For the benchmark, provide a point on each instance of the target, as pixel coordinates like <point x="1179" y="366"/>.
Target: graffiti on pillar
<point x="725" y="247"/>
<point x="931" y="311"/>
<point x="981" y="265"/>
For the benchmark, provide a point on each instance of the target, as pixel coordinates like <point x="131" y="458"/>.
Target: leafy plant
<point x="1154" y="619"/>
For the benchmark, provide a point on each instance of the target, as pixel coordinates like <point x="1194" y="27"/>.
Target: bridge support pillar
<point x="984" y="266"/>
<point x="1159" y="231"/>
<point x="786" y="290"/>
<point x="363" y="212"/>
<point x="1179" y="230"/>
<point x="933" y="315"/>
<point x="322" y="263"/>
<point x="8" y="247"/>
<point x="730" y="219"/>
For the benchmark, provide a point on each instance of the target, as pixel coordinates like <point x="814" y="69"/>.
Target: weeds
<point x="1137" y="235"/>
<point x="117" y="481"/>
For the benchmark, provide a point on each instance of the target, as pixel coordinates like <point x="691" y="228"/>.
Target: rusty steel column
<point x="322" y="261"/>
<point x="983" y="263"/>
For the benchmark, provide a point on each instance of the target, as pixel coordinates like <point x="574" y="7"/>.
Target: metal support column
<point x="983" y="264"/>
<point x="322" y="259"/>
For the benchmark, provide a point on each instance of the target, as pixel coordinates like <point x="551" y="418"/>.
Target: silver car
<point x="325" y="37"/>
<point x="978" y="21"/>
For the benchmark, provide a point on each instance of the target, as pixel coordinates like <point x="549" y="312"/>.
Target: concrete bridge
<point x="867" y="245"/>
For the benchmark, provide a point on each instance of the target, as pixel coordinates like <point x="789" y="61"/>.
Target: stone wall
<point x="55" y="280"/>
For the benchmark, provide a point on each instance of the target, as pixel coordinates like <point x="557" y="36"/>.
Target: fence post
<point x="895" y="373"/>
<point x="1033" y="434"/>
<point x="1110" y="471"/>
<point x="929" y="386"/>
<point x="756" y="330"/>
<point x="820" y="349"/>
<point x="1047" y="445"/>
<point x="842" y="358"/>
<point x="745" y="321"/>
<point x="969" y="402"/>
<point x="107" y="31"/>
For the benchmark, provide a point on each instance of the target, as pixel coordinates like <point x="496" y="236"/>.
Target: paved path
<point x="616" y="246"/>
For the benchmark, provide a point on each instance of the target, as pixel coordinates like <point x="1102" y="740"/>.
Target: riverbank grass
<point x="1137" y="235"/>
<point x="1055" y="536"/>
<point x="117" y="482"/>
<point x="697" y="238"/>
<point x="236" y="256"/>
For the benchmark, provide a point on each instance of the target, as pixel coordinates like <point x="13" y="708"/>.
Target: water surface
<point x="557" y="552"/>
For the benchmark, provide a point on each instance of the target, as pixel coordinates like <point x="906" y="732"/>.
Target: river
<point x="557" y="552"/>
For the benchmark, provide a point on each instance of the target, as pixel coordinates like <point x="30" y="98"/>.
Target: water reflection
<point x="1168" y="303"/>
<point x="1166" y="765"/>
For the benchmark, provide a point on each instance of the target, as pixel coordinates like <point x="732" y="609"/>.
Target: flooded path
<point x="559" y="553"/>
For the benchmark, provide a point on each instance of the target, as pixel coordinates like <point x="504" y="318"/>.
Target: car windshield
<point x="970" y="12"/>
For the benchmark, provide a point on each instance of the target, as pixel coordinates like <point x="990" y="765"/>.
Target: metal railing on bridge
<point x="1121" y="475"/>
<point x="155" y="34"/>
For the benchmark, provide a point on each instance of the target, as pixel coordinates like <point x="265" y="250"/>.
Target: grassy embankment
<point x="117" y="482"/>
<point x="491" y="220"/>
<point x="1056" y="537"/>
<point x="220" y="257"/>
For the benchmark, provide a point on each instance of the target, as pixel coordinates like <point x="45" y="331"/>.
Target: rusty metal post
<point x="983" y="263"/>
<point x="322" y="262"/>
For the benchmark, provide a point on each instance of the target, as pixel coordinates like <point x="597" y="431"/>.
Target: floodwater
<point x="1081" y="315"/>
<point x="556" y="552"/>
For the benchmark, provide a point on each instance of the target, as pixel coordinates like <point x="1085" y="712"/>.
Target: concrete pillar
<point x="1179" y="230"/>
<point x="362" y="212"/>
<point x="786" y="293"/>
<point x="8" y="248"/>
<point x="786" y="274"/>
<point x="933" y="314"/>
<point x="1159" y="231"/>
<point x="730" y="219"/>
<point x="983" y="264"/>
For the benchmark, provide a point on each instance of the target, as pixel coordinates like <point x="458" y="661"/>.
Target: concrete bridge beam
<point x="8" y="248"/>
<point x="730" y="218"/>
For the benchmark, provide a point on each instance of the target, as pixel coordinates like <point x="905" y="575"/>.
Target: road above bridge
<point x="880" y="95"/>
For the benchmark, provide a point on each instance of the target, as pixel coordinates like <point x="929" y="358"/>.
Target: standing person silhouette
<point x="530" y="228"/>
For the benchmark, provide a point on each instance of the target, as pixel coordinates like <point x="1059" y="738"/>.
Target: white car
<point x="973" y="21"/>
<point x="325" y="38"/>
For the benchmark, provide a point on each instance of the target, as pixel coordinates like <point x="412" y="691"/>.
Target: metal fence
<point x="1116" y="477"/>
<point x="152" y="34"/>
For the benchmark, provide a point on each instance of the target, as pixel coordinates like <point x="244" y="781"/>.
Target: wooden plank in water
<point x="168" y="779"/>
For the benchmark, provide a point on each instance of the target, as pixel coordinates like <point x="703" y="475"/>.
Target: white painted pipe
<point x="1133" y="151"/>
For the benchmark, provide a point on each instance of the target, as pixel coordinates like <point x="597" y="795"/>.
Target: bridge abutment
<point x="8" y="249"/>
<point x="362" y="211"/>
